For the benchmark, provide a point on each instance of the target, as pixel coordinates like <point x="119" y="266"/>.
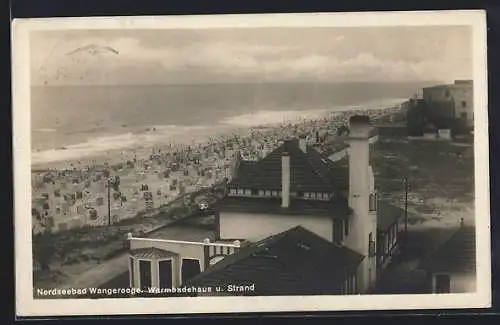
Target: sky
<point x="194" y="56"/>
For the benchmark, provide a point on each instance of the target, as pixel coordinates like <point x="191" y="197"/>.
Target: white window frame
<point x="261" y="193"/>
<point x="181" y="280"/>
<point x="274" y="193"/>
<point x="267" y="193"/>
<point x="155" y="276"/>
<point x="158" y="269"/>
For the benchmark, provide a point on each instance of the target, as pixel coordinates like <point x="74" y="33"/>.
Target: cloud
<point x="231" y="59"/>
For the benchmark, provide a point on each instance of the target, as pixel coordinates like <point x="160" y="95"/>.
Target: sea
<point x="70" y="122"/>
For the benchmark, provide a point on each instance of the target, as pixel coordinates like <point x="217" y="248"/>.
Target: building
<point x="456" y="98"/>
<point x="451" y="268"/>
<point x="296" y="262"/>
<point x="297" y="207"/>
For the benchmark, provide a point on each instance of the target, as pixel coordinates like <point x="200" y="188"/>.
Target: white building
<point x="297" y="198"/>
<point x="460" y="93"/>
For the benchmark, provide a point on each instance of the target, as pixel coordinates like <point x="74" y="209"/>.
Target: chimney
<point x="302" y="143"/>
<point x="362" y="223"/>
<point x="285" y="180"/>
<point x="359" y="148"/>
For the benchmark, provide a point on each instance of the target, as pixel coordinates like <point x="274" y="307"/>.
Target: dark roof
<point x="332" y="147"/>
<point x="309" y="171"/>
<point x="456" y="254"/>
<point x="293" y="262"/>
<point x="335" y="209"/>
<point x="387" y="215"/>
<point x="150" y="253"/>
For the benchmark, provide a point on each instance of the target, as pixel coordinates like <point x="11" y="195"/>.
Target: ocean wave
<point x="156" y="135"/>
<point x="274" y="117"/>
<point x="150" y="137"/>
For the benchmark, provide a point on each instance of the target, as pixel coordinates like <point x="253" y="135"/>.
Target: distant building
<point x="294" y="212"/>
<point x="451" y="268"/>
<point x="456" y="99"/>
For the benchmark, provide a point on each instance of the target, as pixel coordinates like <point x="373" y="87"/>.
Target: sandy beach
<point x="73" y="193"/>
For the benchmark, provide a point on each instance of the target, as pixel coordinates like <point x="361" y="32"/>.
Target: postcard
<point x="251" y="163"/>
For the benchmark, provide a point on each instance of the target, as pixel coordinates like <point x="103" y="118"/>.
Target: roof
<point x="293" y="262"/>
<point x="387" y="215"/>
<point x="272" y="205"/>
<point x="331" y="147"/>
<point x="309" y="171"/>
<point x="456" y="255"/>
<point x="150" y="253"/>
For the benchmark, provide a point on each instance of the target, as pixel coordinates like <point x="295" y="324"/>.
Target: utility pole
<point x="109" y="201"/>
<point x="406" y="206"/>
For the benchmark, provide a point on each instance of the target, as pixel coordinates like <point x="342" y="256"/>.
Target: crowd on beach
<point x="138" y="182"/>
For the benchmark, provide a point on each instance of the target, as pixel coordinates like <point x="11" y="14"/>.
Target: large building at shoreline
<point x="294" y="222"/>
<point x="452" y="100"/>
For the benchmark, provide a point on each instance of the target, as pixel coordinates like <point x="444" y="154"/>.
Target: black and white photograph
<point x="251" y="163"/>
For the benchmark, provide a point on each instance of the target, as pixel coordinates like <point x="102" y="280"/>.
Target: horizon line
<point x="437" y="82"/>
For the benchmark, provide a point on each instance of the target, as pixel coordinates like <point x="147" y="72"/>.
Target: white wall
<point x="254" y="227"/>
<point x="184" y="249"/>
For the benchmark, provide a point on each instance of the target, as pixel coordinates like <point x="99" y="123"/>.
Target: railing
<point x="206" y="242"/>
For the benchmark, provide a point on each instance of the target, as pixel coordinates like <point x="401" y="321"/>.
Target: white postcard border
<point x="26" y="305"/>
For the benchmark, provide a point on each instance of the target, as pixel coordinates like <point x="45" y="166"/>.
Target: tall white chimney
<point x="362" y="222"/>
<point x="303" y="143"/>
<point x="359" y="155"/>
<point x="285" y="180"/>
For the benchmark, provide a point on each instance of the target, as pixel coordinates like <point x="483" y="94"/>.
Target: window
<point x="261" y="192"/>
<point x="190" y="269"/>
<point x="241" y="191"/>
<point x="373" y="202"/>
<point x="248" y="192"/>
<point x="464" y="104"/>
<point x="254" y="192"/>
<point x="307" y="194"/>
<point x="447" y="93"/>
<point x="132" y="279"/>
<point x="338" y="231"/>
<point x="145" y="274"/>
<point x="371" y="245"/>
<point x="442" y="283"/>
<point x="165" y="270"/>
<point x="268" y="193"/>
<point x="275" y="193"/>
<point x="92" y="214"/>
<point x="346" y="227"/>
<point x="233" y="191"/>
